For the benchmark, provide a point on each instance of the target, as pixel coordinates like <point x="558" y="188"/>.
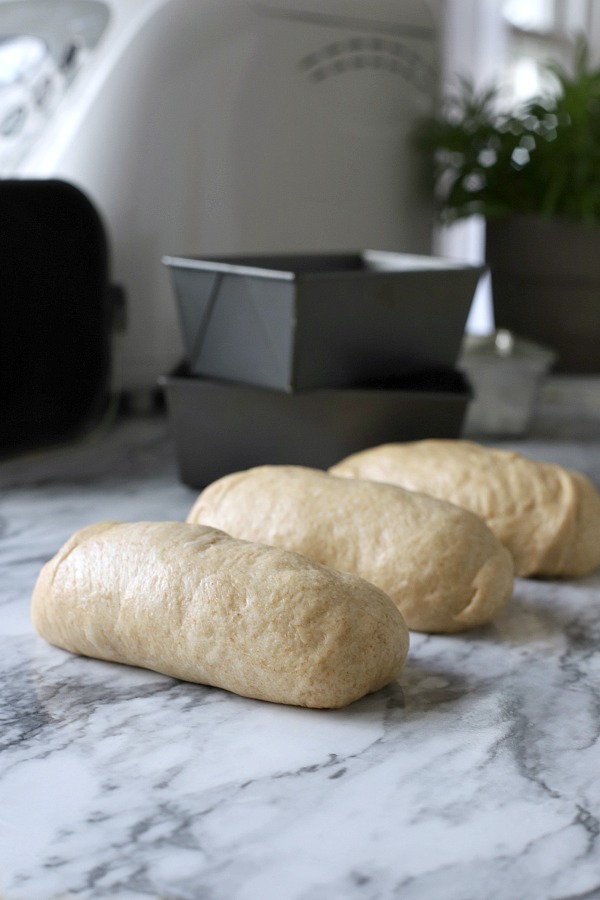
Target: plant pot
<point x="546" y="285"/>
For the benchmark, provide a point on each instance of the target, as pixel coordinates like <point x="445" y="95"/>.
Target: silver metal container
<point x="505" y="373"/>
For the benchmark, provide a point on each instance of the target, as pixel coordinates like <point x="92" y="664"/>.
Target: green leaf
<point x="469" y="148"/>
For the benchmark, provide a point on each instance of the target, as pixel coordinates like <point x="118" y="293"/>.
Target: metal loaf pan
<point x="295" y="322"/>
<point x="221" y="427"/>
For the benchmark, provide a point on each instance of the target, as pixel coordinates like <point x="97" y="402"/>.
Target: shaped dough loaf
<point x="441" y="565"/>
<point x="547" y="516"/>
<point x="194" y="603"/>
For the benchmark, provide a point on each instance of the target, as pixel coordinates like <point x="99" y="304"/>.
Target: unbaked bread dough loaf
<point x="194" y="603"/>
<point x="441" y="565"/>
<point x="547" y="516"/>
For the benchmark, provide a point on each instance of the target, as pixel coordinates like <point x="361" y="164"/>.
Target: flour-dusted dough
<point x="441" y="565"/>
<point x="194" y="603"/>
<point x="547" y="516"/>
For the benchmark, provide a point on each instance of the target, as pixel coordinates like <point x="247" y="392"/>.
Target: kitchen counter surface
<point x="475" y="775"/>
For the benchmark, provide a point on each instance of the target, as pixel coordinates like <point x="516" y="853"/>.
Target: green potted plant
<point x="533" y="172"/>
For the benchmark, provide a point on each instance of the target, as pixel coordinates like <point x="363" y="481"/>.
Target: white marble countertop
<point x="476" y="775"/>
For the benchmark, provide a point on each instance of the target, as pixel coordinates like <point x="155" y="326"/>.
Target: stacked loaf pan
<point x="304" y="358"/>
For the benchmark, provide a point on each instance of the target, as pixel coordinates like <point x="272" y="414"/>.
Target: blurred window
<point x="538" y="30"/>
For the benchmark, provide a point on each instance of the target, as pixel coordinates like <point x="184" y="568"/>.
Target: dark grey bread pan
<point x="219" y="427"/>
<point x="301" y="321"/>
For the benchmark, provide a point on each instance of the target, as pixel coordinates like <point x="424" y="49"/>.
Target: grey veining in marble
<point x="475" y="776"/>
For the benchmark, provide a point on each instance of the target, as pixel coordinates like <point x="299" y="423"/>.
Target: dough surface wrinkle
<point x="546" y="515"/>
<point x="194" y="603"/>
<point x="425" y="554"/>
